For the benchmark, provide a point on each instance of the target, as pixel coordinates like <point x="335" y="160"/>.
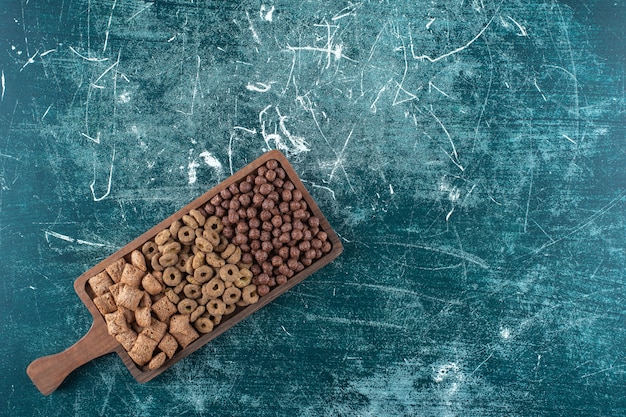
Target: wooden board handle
<point x="48" y="372"/>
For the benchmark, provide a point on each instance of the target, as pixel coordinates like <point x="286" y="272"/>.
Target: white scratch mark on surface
<point x="285" y="330"/>
<point x="3" y="86"/>
<point x="314" y="185"/>
<point x="48" y="233"/>
<point x="86" y="58"/>
<point x="455" y="155"/>
<point x="391" y="189"/>
<point x="570" y="139"/>
<point x="481" y="364"/>
<point x="93" y="193"/>
<point x="339" y="160"/>
<point x="431" y="85"/>
<point x="521" y="28"/>
<point x="350" y="322"/>
<point x="443" y="250"/>
<point x="349" y="10"/>
<point x="139" y="12"/>
<point x="49" y="51"/>
<point x="258" y="87"/>
<point x="266" y="14"/>
<point x="539" y="89"/>
<point x="245" y="129"/>
<point x="192" y="173"/>
<point x="96" y="139"/>
<point x="95" y="83"/>
<point x="432" y="20"/>
<point x="107" y="31"/>
<point x="454" y="51"/>
<point x="195" y="89"/>
<point x="610" y="368"/>
<point x="30" y="60"/>
<point x="46" y="112"/>
<point x="210" y="160"/>
<point x="251" y="27"/>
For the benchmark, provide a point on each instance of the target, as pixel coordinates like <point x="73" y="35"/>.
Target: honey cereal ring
<point x="243" y="280"/>
<point x="149" y="249"/>
<point x="203" y="274"/>
<point x="230" y="249"/>
<point x="154" y="262"/>
<point x="168" y="247"/>
<point x="249" y="294"/>
<point x="235" y="257"/>
<point x="213" y="223"/>
<point x="190" y="221"/>
<point x="216" y="307"/>
<point x="198" y="217"/>
<point x="222" y="245"/>
<point x="197" y="313"/>
<point x="214" y="288"/>
<point x="179" y="288"/>
<point x="231" y="295"/>
<point x="198" y="260"/>
<point x="172" y="276"/>
<point x="186" y="235"/>
<point x="162" y="237"/>
<point x="230" y="309"/>
<point x="192" y="291"/>
<point x="203" y="325"/>
<point x="187" y="306"/>
<point x="229" y="272"/>
<point x="183" y="260"/>
<point x="175" y="227"/>
<point x="204" y="245"/>
<point x="215" y="318"/>
<point x="214" y="260"/>
<point x="212" y="236"/>
<point x="168" y="259"/>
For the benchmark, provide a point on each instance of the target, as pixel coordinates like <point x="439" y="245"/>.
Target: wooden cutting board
<point x="48" y="372"/>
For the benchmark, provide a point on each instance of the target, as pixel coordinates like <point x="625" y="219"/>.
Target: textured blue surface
<point x="470" y="154"/>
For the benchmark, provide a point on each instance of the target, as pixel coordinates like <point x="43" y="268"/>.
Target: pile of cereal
<point x="268" y="219"/>
<point x="250" y="237"/>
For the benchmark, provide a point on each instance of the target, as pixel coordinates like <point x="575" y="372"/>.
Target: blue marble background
<point x="470" y="154"/>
